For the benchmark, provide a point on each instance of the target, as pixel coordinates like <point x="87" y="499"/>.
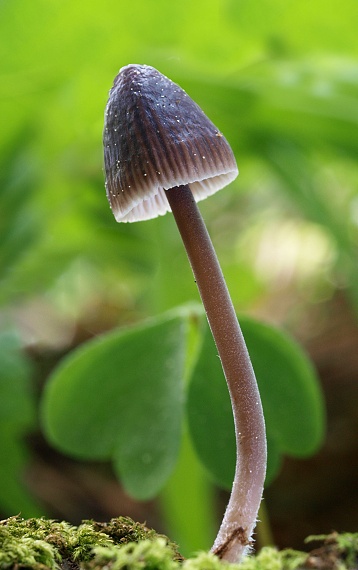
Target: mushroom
<point x="162" y="153"/>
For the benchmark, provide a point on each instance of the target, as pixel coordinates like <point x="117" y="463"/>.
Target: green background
<point x="279" y="78"/>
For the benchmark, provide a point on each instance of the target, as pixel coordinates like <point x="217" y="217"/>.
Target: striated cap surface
<point x="156" y="137"/>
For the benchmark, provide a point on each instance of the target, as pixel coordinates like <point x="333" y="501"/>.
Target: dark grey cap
<point x="155" y="138"/>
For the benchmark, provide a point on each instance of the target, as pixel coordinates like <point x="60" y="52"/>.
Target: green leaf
<point x="17" y="414"/>
<point x="120" y="397"/>
<point x="291" y="399"/>
<point x="14" y="496"/>
<point x="16" y="399"/>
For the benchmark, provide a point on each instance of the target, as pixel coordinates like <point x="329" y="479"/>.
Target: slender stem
<point x="234" y="536"/>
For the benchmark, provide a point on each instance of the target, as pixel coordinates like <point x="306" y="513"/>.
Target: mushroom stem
<point x="234" y="536"/>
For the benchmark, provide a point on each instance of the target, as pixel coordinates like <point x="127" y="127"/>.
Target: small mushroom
<point x="162" y="153"/>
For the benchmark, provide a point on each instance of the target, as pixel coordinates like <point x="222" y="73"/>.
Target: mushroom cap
<point x="155" y="138"/>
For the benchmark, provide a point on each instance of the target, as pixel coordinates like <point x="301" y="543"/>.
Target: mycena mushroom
<point x="162" y="153"/>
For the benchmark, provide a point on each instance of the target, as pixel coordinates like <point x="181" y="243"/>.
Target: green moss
<point x="207" y="561"/>
<point x="122" y="530"/>
<point x="121" y="544"/>
<point x="40" y="543"/>
<point x="341" y="549"/>
<point x="144" y="555"/>
<point x="156" y="555"/>
<point x="152" y="555"/>
<point x="272" y="559"/>
<point x="338" y="552"/>
<point x="43" y="543"/>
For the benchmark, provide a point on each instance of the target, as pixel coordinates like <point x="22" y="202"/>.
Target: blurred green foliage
<point x="291" y="400"/>
<point x="17" y="417"/>
<point x="121" y="397"/>
<point x="278" y="77"/>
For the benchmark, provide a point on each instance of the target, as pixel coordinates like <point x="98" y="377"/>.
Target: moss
<point x="152" y="555"/>
<point x="144" y="555"/>
<point x="121" y="544"/>
<point x="42" y="543"/>
<point x="338" y="551"/>
<point x="19" y="547"/>
<point x="123" y="530"/>
<point x="270" y="558"/>
<point x="208" y="561"/>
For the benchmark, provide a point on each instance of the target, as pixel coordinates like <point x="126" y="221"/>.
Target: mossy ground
<point x="121" y="544"/>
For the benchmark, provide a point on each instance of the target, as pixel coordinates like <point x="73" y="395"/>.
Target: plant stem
<point x="234" y="536"/>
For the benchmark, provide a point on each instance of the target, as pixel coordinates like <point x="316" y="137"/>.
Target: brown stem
<point x="240" y="517"/>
